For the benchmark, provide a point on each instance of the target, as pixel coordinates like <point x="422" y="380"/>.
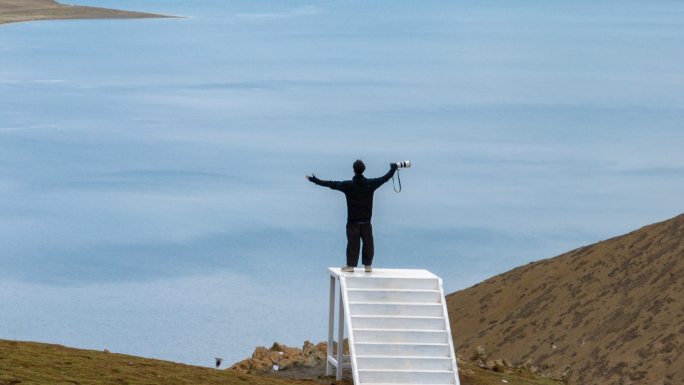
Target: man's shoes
<point x="368" y="269"/>
<point x="347" y="269"/>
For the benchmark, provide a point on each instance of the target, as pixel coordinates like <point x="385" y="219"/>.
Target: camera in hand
<point x="406" y="164"/>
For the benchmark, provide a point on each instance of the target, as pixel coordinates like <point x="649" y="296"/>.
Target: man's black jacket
<point x="359" y="192"/>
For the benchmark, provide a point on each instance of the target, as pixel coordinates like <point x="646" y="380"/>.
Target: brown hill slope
<point x="613" y="310"/>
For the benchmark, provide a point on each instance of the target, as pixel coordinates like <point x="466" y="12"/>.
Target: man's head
<point x="359" y="167"/>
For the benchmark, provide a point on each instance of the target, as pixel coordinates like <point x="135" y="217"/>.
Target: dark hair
<point x="359" y="167"/>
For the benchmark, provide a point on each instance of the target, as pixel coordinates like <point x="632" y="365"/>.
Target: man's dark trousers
<point x="355" y="234"/>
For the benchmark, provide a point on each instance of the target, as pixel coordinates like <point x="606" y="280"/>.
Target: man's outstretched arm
<point x="383" y="179"/>
<point x="325" y="183"/>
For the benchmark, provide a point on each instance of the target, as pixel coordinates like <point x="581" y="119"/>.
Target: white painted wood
<point x="397" y="322"/>
<point x="397" y="325"/>
<point x="407" y="336"/>
<point x="352" y="345"/>
<point x="404" y="363"/>
<point x="331" y="326"/>
<point x="457" y="381"/>
<point x="340" y="338"/>
<point x="394" y="349"/>
<point x="382" y="273"/>
<point x="401" y="296"/>
<point x="406" y="376"/>
<point x="394" y="309"/>
<point x="393" y="283"/>
<point x="333" y="361"/>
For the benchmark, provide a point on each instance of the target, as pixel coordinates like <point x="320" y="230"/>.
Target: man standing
<point x="359" y="192"/>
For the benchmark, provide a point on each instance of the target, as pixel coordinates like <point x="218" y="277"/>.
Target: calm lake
<point x="152" y="191"/>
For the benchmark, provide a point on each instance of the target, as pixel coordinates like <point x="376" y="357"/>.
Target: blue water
<point x="152" y="191"/>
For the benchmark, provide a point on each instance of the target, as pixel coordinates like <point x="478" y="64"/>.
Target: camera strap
<point x="399" y="178"/>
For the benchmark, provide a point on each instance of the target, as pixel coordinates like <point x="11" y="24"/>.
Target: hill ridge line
<point x="580" y="308"/>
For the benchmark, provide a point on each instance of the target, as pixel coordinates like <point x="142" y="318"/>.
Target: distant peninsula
<point x="17" y="11"/>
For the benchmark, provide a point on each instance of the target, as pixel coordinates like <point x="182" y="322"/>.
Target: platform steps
<point x="398" y="331"/>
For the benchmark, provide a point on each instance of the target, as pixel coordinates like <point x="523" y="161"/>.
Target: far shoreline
<point x="22" y="11"/>
<point x="96" y="18"/>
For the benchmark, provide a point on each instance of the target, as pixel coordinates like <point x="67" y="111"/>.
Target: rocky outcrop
<point x="564" y="376"/>
<point x="480" y="359"/>
<point x="479" y="354"/>
<point x="502" y="366"/>
<point x="263" y="360"/>
<point x="309" y="364"/>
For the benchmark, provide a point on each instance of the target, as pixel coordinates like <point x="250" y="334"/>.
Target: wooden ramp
<point x="397" y="325"/>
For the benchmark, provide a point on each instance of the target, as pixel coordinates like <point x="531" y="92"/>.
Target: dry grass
<point x="580" y="309"/>
<point x="37" y="363"/>
<point x="488" y="377"/>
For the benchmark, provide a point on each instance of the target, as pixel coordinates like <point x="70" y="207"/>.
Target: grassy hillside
<point x="488" y="377"/>
<point x="36" y="363"/>
<point x="613" y="310"/>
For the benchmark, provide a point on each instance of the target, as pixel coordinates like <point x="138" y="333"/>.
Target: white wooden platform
<point x="397" y="325"/>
